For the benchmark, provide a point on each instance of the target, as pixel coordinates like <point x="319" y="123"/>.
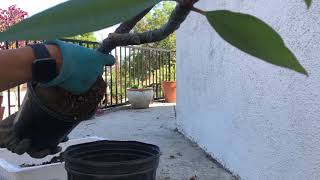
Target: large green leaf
<point x="75" y="17"/>
<point x="308" y="2"/>
<point x="254" y="37"/>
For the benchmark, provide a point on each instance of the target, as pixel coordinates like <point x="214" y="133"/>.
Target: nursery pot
<point x="169" y="91"/>
<point x="1" y="112"/>
<point x="112" y="160"/>
<point x="37" y="122"/>
<point x="140" y="98"/>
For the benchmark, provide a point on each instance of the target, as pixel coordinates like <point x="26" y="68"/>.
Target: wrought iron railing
<point x="134" y="66"/>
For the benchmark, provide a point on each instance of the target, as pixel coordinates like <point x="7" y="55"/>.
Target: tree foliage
<point x="85" y="37"/>
<point x="143" y="67"/>
<point x="9" y="17"/>
<point x="157" y="17"/>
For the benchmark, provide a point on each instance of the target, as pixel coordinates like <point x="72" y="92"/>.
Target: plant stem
<point x="198" y="11"/>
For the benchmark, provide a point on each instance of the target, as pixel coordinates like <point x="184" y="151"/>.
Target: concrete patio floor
<point x="180" y="160"/>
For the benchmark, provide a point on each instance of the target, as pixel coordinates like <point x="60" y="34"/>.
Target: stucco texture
<point x="260" y="121"/>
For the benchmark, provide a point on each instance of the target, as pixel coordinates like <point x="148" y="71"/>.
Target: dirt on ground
<point x="55" y="159"/>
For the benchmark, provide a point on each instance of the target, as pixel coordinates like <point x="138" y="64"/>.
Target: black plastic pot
<point x="112" y="160"/>
<point x="43" y="126"/>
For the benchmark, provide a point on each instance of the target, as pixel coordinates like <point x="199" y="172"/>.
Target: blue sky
<point x="35" y="6"/>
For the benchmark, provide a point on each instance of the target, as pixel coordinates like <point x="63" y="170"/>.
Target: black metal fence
<point x="147" y="67"/>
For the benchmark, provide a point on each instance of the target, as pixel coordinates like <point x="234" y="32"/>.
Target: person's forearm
<point x="16" y="65"/>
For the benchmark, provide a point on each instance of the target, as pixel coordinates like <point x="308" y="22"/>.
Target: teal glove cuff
<point x="80" y="66"/>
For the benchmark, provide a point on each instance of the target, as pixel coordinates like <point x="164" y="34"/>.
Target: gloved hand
<point x="80" y="67"/>
<point x="9" y="140"/>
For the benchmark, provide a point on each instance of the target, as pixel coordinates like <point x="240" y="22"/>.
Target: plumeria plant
<point x="74" y="17"/>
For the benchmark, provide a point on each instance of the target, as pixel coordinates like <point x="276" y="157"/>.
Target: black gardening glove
<point x="10" y="140"/>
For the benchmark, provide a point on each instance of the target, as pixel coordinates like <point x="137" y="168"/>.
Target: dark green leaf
<point x="75" y="17"/>
<point x="254" y="37"/>
<point x="308" y="2"/>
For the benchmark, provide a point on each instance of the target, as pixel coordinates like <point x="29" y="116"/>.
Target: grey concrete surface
<point x="180" y="160"/>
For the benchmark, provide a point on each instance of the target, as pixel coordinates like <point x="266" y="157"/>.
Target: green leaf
<point x="308" y="2"/>
<point x="254" y="37"/>
<point x="75" y="17"/>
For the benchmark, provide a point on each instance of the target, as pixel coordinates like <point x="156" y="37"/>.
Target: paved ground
<point x="180" y="160"/>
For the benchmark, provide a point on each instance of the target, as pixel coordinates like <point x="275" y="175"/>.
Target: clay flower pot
<point x="1" y="112"/>
<point x="169" y="91"/>
<point x="140" y="98"/>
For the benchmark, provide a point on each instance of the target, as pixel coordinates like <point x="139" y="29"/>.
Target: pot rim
<point x="169" y="81"/>
<point x="140" y="89"/>
<point x="72" y="155"/>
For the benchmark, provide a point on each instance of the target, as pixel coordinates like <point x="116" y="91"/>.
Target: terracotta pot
<point x="1" y="112"/>
<point x="140" y="98"/>
<point x="169" y="90"/>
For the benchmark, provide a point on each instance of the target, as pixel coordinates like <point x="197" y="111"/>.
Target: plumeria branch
<point x="123" y="37"/>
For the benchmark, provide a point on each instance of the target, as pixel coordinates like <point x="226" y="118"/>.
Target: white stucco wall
<point x="260" y="121"/>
